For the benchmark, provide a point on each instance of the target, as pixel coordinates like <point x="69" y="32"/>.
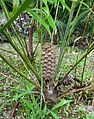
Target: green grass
<point x="18" y="89"/>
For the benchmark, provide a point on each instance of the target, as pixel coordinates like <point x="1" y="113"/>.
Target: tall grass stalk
<point x="74" y="21"/>
<point x="55" y="22"/>
<point x="64" y="40"/>
<point x="41" y="32"/>
<point x="82" y="77"/>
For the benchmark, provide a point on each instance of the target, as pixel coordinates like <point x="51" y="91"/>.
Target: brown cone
<point x="48" y="61"/>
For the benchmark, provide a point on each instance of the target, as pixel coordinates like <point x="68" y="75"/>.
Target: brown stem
<point x="90" y="87"/>
<point x="30" y="43"/>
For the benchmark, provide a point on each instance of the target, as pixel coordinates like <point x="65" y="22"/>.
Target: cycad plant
<point x="40" y="87"/>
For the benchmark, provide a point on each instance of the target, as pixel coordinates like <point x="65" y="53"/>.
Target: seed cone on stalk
<point x="48" y="61"/>
<point x="48" y="66"/>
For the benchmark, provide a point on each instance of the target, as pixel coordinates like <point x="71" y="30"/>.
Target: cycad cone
<point x="48" y="62"/>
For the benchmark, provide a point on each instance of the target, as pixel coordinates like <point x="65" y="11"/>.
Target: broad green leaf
<point x="20" y="95"/>
<point x="37" y="17"/>
<point x="47" y="8"/>
<point x="51" y="22"/>
<point x="28" y="86"/>
<point x="29" y="105"/>
<point x="23" y="7"/>
<point x="15" y="5"/>
<point x="54" y="115"/>
<point x="65" y="5"/>
<point x="61" y="103"/>
<point x="44" y="11"/>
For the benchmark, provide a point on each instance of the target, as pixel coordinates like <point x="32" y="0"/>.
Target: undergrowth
<point x="18" y="95"/>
